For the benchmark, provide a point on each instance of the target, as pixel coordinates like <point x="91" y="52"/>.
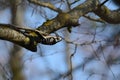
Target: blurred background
<point x="89" y="51"/>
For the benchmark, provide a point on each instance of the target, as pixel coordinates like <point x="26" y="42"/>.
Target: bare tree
<point x="30" y="38"/>
<point x="62" y="20"/>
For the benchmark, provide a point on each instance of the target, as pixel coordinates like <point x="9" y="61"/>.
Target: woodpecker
<point x="50" y="40"/>
<point x="40" y="37"/>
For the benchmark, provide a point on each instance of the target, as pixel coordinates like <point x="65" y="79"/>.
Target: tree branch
<point x="96" y="20"/>
<point x="31" y="37"/>
<point x="71" y="18"/>
<point x="45" y="4"/>
<point x="8" y="32"/>
<point x="110" y="16"/>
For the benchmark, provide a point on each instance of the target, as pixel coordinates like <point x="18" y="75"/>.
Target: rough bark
<point x="62" y="20"/>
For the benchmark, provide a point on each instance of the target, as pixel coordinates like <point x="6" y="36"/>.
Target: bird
<point x="31" y="37"/>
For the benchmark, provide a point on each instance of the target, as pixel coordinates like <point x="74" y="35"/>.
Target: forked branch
<point x="29" y="38"/>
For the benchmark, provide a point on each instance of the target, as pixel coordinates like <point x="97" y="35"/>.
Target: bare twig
<point x="104" y="2"/>
<point x="108" y="66"/>
<point x="69" y="5"/>
<point x="94" y="34"/>
<point x="90" y="75"/>
<point x="96" y="20"/>
<point x="45" y="4"/>
<point x="71" y="65"/>
<point x="95" y="52"/>
<point x="76" y="68"/>
<point x="74" y="2"/>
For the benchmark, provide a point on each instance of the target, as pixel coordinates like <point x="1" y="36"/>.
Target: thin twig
<point x="95" y="52"/>
<point x="115" y="78"/>
<point x="45" y="4"/>
<point x="69" y="6"/>
<point x="96" y="20"/>
<point x="71" y="65"/>
<point x="104" y="2"/>
<point x="74" y="2"/>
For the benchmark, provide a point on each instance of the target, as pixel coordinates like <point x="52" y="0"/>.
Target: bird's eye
<point x="58" y="39"/>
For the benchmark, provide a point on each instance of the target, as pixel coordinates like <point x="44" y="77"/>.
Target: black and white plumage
<point x="50" y="40"/>
<point x="41" y="37"/>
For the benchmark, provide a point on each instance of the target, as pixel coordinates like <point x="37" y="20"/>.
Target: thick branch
<point x="71" y="18"/>
<point x="7" y="32"/>
<point x="28" y="38"/>
<point x="60" y="21"/>
<point x="107" y="15"/>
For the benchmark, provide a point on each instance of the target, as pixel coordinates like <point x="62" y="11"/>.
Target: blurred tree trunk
<point x="16" y="51"/>
<point x="68" y="56"/>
